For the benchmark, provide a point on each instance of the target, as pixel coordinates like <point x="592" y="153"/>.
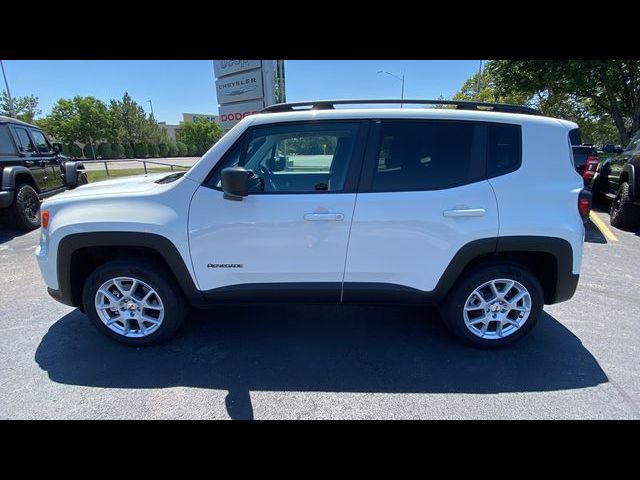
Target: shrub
<point x="104" y="150"/>
<point x="153" y="149"/>
<point x="128" y="150"/>
<point x="192" y="150"/>
<point x="117" y="150"/>
<point x="163" y="150"/>
<point x="65" y="150"/>
<point x="182" y="149"/>
<point x="140" y="150"/>
<point x="173" y="150"/>
<point x="74" y="150"/>
<point x="88" y="152"/>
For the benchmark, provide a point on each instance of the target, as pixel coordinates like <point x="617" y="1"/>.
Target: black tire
<point x="453" y="309"/>
<point x="623" y="212"/>
<point x="175" y="307"/>
<point x="24" y="212"/>
<point x="82" y="179"/>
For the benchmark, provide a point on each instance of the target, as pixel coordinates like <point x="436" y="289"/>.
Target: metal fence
<point x="172" y="166"/>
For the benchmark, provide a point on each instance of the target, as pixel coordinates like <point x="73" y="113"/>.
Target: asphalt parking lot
<point x="307" y="362"/>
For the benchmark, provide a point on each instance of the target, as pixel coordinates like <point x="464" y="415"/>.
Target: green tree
<point x="82" y="119"/>
<point x="141" y="150"/>
<point x="602" y="88"/>
<point x="182" y="149"/>
<point x="127" y="121"/>
<point x="202" y="134"/>
<point x="488" y="92"/>
<point x="117" y="150"/>
<point x="24" y="108"/>
<point x="105" y="151"/>
<point x="163" y="149"/>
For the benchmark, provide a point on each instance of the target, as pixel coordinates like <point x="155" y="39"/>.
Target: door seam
<point x="346" y="254"/>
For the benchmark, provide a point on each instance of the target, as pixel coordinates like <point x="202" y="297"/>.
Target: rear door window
<point x="24" y="142"/>
<point x="427" y="155"/>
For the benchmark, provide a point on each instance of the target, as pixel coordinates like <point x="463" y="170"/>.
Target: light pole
<point x="8" y="91"/>
<point x="401" y="78"/>
<point x="154" y="117"/>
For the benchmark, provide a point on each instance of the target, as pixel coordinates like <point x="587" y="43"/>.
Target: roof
<point x="408" y="113"/>
<point x="4" y="119"/>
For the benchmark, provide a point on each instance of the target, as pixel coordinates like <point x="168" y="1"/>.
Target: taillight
<point x="584" y="204"/>
<point x="590" y="167"/>
<point x="45" y="219"/>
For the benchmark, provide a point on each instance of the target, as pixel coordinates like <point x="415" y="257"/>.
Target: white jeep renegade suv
<point x="477" y="209"/>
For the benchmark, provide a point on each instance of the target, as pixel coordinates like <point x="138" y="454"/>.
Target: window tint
<point x="634" y="144"/>
<point x="427" y="155"/>
<point x="24" y="142"/>
<point x="41" y="141"/>
<point x="6" y="143"/>
<point x="303" y="158"/>
<point x="503" y="149"/>
<point x="574" y="137"/>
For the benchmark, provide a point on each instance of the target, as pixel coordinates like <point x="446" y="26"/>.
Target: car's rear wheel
<point x="623" y="212"/>
<point x="134" y="302"/>
<point x="494" y="304"/>
<point x="24" y="213"/>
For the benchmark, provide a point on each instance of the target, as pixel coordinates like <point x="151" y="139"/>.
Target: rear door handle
<point x="319" y="217"/>
<point x="464" y="212"/>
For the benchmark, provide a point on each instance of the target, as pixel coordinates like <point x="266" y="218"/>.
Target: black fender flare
<point x="70" y="169"/>
<point x="10" y="173"/>
<point x="162" y="245"/>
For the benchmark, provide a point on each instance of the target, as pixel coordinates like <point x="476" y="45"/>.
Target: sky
<point x="177" y="86"/>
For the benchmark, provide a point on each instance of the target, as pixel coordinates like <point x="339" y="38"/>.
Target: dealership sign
<point x="240" y="87"/>
<point x="228" y="67"/>
<point x="231" y="114"/>
<point x="244" y="87"/>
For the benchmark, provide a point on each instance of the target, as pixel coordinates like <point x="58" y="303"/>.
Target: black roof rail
<point x="460" y="105"/>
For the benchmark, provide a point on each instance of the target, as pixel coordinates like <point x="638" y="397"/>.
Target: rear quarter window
<point x="504" y="149"/>
<point x="6" y="142"/>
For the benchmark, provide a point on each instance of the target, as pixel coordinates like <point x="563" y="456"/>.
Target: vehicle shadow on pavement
<point x="385" y="349"/>
<point x="592" y="234"/>
<point x="7" y="234"/>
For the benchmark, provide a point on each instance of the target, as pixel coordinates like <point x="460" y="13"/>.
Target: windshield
<point x="634" y="144"/>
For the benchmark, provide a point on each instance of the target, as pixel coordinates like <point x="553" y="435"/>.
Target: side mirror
<point x="57" y="147"/>
<point x="235" y="183"/>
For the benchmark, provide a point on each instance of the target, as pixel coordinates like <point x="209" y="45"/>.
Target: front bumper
<point x="60" y="296"/>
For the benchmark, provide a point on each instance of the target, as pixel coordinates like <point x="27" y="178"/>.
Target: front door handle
<point x="464" y="212"/>
<point x="318" y="217"/>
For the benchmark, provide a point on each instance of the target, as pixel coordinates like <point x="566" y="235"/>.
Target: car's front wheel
<point x="494" y="304"/>
<point x="133" y="301"/>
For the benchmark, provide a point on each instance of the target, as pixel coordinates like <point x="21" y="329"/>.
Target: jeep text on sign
<point x="228" y="67"/>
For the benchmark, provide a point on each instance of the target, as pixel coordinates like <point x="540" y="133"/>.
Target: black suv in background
<point x="618" y="179"/>
<point x="31" y="168"/>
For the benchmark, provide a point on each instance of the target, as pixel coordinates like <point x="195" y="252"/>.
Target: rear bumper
<point x="565" y="287"/>
<point x="6" y="198"/>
